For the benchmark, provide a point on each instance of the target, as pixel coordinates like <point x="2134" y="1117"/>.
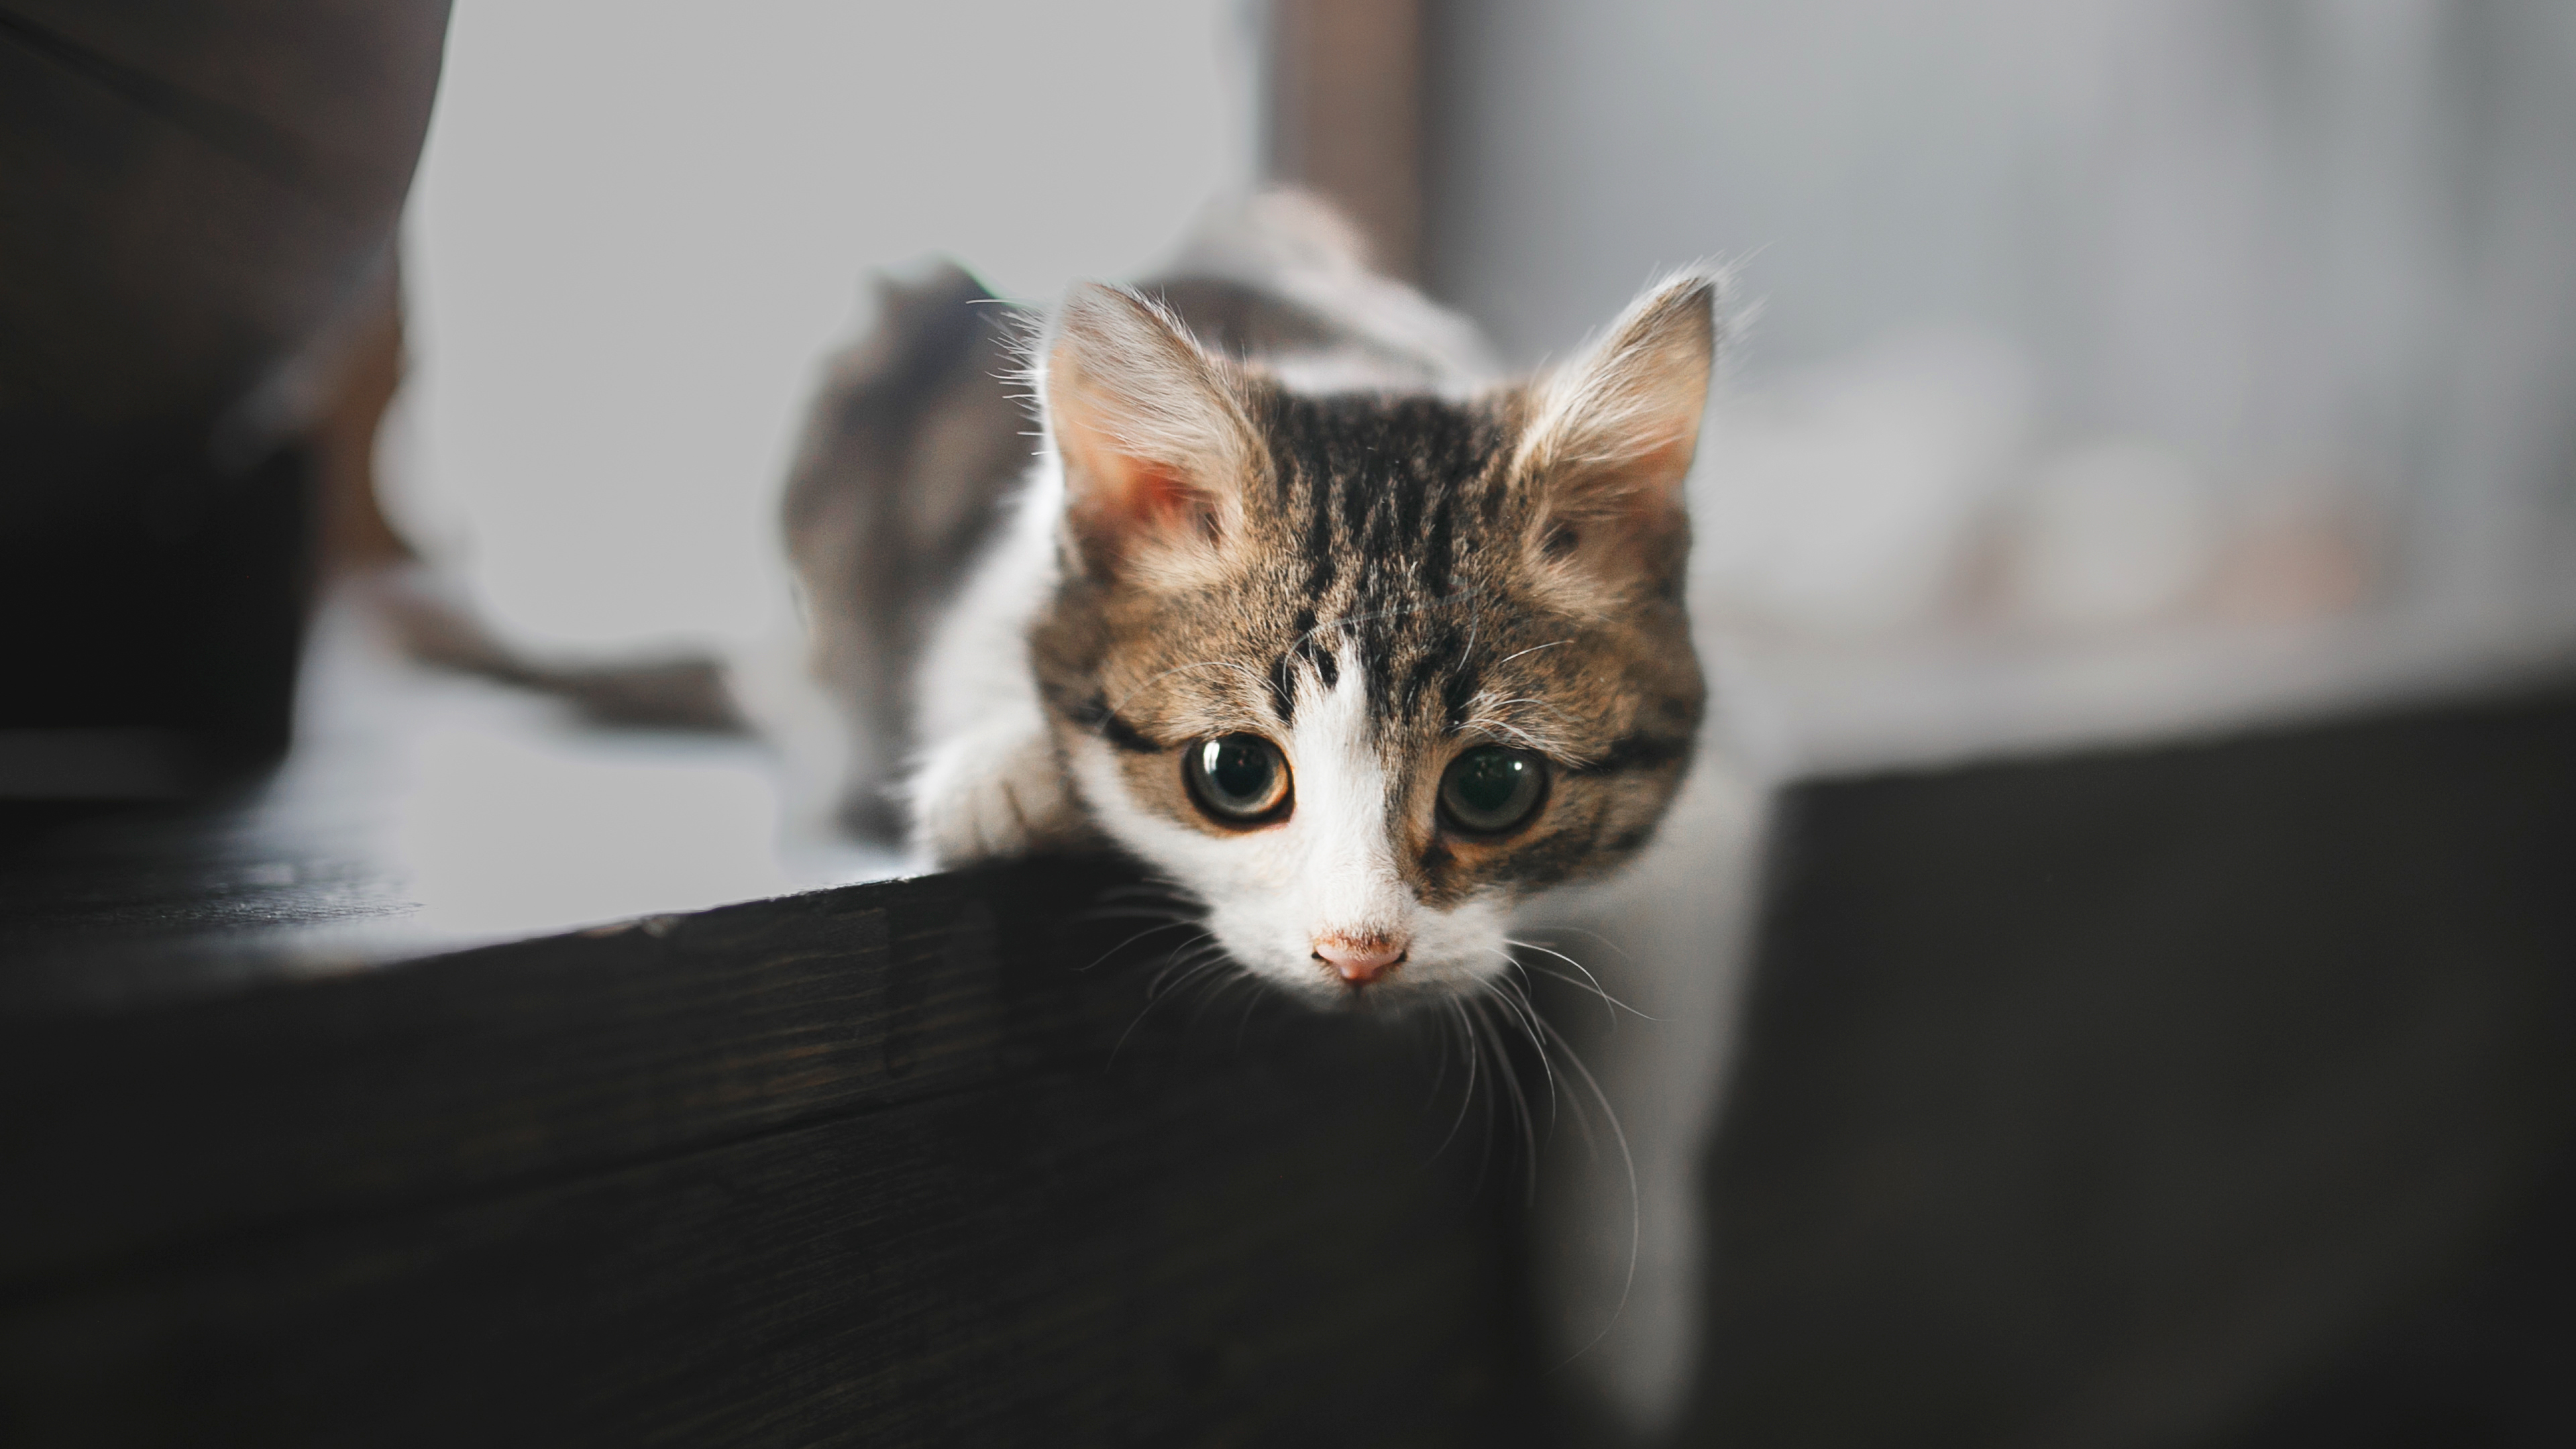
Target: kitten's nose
<point x="1360" y="960"/>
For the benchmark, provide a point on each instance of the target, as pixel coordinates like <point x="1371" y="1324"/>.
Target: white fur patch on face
<point x="1328" y="870"/>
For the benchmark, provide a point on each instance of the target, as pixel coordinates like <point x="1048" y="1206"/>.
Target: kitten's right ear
<point x="1611" y="434"/>
<point x="1153" y="442"/>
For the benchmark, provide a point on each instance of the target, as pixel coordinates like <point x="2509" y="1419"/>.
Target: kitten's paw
<point x="990" y="796"/>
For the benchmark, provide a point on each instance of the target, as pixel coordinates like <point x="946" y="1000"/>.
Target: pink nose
<point x="1360" y="960"/>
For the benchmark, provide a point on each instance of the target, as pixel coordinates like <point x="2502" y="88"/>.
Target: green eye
<point x="1489" y="790"/>
<point x="1237" y="779"/>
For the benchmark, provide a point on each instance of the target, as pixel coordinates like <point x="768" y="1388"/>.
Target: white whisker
<point x="1141" y="935"/>
<point x="1511" y="1001"/>
<point x="1590" y="982"/>
<point x="1628" y="1163"/>
<point x="1596" y="935"/>
<point x="1533" y="649"/>
<point x="1519" y="1099"/>
<point x="1467" y="1045"/>
<point x="1239" y="978"/>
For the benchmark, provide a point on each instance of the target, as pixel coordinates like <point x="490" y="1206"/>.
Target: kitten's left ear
<point x="1611" y="434"/>
<point x="1153" y="441"/>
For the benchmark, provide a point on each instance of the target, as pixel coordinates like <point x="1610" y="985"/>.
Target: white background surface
<point x="638" y="226"/>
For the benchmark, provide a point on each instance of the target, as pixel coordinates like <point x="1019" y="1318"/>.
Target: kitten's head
<point x="1365" y="670"/>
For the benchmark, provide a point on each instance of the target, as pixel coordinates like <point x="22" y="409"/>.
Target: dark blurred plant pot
<point x="196" y="200"/>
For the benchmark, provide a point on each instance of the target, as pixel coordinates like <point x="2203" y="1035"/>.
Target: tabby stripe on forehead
<point x="1459" y="695"/>
<point x="1309" y="650"/>
<point x="1322" y="559"/>
<point x="1353" y="498"/>
<point x="1416" y="680"/>
<point x="1443" y="649"/>
<point x="1389" y="516"/>
<point x="1438" y="569"/>
<point x="1283" y="687"/>
<point x="1413" y="496"/>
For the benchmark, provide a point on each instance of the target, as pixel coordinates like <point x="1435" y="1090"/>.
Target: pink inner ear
<point x="1656" y="474"/>
<point x="1120" y="498"/>
<point x="1642" y="487"/>
<point x="1621" y="515"/>
<point x="1159" y="497"/>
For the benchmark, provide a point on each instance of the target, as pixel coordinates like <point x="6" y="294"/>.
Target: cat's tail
<point x="912" y="440"/>
<point x="433" y="624"/>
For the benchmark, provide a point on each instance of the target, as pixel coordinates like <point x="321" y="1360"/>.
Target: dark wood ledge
<point x="2055" y="1074"/>
<point x="898" y="1163"/>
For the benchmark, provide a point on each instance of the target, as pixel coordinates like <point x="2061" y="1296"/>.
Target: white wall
<point x="638" y="225"/>
<point x="2316" y="247"/>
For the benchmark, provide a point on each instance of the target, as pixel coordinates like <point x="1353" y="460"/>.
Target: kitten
<point x="1307" y="608"/>
<point x="1301" y="604"/>
<point x="1359" y="646"/>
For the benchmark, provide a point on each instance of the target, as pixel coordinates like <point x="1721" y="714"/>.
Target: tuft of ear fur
<point x="1610" y="435"/>
<point x="1154" y="444"/>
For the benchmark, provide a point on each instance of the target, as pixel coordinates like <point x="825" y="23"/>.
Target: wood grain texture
<point x="882" y="1165"/>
